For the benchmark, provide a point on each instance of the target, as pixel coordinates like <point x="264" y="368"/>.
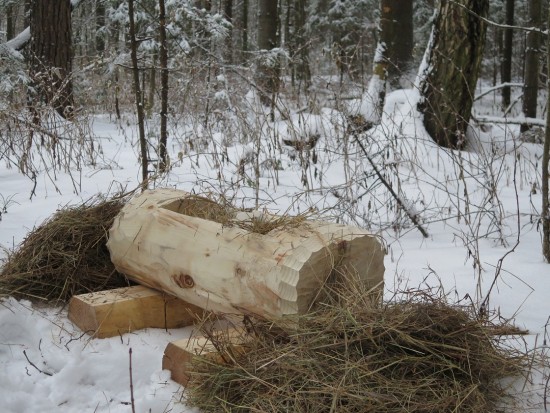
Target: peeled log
<point x="228" y="269"/>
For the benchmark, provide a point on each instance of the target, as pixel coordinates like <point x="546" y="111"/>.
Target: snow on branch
<point x="500" y="25"/>
<point x="497" y="87"/>
<point x="520" y="120"/>
<point x="13" y="46"/>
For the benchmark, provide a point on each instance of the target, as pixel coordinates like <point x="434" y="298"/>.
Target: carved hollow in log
<point x="228" y="269"/>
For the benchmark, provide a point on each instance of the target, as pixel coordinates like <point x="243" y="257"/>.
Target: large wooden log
<point x="228" y="269"/>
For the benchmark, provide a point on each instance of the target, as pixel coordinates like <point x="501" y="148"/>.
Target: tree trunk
<point x="267" y="73"/>
<point x="51" y="54"/>
<point x="508" y="45"/>
<point x="228" y="15"/>
<point x="244" y="45"/>
<point x="150" y="101"/>
<point x="229" y="269"/>
<point x="100" y="26"/>
<point x="163" y="153"/>
<point x="289" y="43"/>
<point x="303" y="71"/>
<point x="10" y="22"/>
<point x="451" y="63"/>
<point x="531" y="80"/>
<point x="396" y="33"/>
<point x="373" y="99"/>
<point x="545" y="213"/>
<point x="27" y="12"/>
<point x="138" y="92"/>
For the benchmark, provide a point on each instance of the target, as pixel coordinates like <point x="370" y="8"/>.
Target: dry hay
<point x="218" y="209"/>
<point x="65" y="255"/>
<point x="204" y="207"/>
<point x="416" y="354"/>
<point x="263" y="222"/>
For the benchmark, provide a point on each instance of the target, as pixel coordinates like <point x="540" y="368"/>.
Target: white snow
<point x="474" y="204"/>
<point x="11" y="47"/>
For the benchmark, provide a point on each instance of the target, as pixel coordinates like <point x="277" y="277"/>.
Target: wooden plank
<point x="179" y="354"/>
<point x="122" y="310"/>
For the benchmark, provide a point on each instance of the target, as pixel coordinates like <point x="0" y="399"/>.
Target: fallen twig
<point x="399" y="201"/>
<point x="34" y="365"/>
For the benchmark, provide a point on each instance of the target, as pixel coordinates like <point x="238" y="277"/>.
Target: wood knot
<point x="239" y="272"/>
<point x="184" y="280"/>
<point x="342" y="246"/>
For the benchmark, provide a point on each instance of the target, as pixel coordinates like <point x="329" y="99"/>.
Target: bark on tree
<point x="507" y="48"/>
<point x="138" y="92"/>
<point x="287" y="9"/>
<point x="545" y="213"/>
<point x="51" y="55"/>
<point x="303" y="71"/>
<point x="267" y="73"/>
<point x="244" y="45"/>
<point x="228" y="15"/>
<point x="163" y="153"/>
<point x="396" y="33"/>
<point x="451" y="63"/>
<point x="531" y="80"/>
<point x="392" y="56"/>
<point x="100" y="25"/>
<point x="229" y="269"/>
<point x="10" y="22"/>
<point x="27" y="12"/>
<point x="150" y="101"/>
<point x="373" y="99"/>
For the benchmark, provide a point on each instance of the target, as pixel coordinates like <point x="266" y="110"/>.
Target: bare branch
<point x="500" y="25"/>
<point x="497" y="87"/>
<point x="521" y="120"/>
<point x="412" y="217"/>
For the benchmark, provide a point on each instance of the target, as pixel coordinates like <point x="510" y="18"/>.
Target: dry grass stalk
<point x="204" y="207"/>
<point x="417" y="354"/>
<point x="263" y="223"/>
<point x="66" y="255"/>
<point x="221" y="211"/>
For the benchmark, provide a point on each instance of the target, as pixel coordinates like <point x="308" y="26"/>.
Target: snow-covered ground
<point x="480" y="208"/>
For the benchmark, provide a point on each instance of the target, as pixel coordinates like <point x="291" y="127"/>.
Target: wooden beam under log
<point x="122" y="310"/>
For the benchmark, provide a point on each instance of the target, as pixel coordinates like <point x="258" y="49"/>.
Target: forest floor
<point x="480" y="208"/>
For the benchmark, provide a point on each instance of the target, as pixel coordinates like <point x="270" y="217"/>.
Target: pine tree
<point x="451" y="69"/>
<point x="51" y="54"/>
<point x="531" y="80"/>
<point x="267" y="75"/>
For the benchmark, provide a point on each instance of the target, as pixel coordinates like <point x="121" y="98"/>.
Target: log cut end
<point x="333" y="250"/>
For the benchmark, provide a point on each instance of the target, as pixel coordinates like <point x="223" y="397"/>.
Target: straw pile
<point x="220" y="210"/>
<point x="417" y="354"/>
<point x="66" y="255"/>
